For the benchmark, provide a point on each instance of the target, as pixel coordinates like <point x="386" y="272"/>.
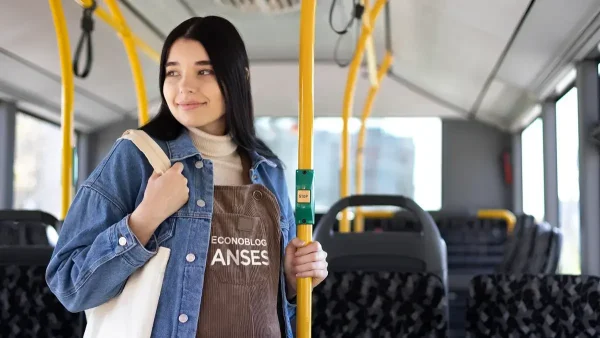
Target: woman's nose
<point x="186" y="85"/>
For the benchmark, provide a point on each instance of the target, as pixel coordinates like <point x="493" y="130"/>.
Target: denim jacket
<point x="91" y="261"/>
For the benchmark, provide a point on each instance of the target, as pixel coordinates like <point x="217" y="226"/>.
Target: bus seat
<point x="533" y="306"/>
<point x="555" y="250"/>
<point x="541" y="249"/>
<point x="380" y="304"/>
<point x="522" y="244"/>
<point x="27" y="227"/>
<point x="481" y="247"/>
<point x="381" y="282"/>
<point x="514" y="242"/>
<point x="27" y="307"/>
<point x="526" y="246"/>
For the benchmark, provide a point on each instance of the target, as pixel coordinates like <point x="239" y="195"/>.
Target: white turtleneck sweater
<point x="222" y="151"/>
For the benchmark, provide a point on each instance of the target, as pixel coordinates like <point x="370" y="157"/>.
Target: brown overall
<point x="241" y="283"/>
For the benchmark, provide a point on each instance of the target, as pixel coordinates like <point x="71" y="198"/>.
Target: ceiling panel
<point x="275" y="90"/>
<point x="550" y="27"/>
<point x="499" y="101"/>
<point x="165" y="15"/>
<point x="450" y="47"/>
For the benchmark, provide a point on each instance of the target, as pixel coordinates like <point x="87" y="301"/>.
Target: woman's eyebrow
<point x="198" y="63"/>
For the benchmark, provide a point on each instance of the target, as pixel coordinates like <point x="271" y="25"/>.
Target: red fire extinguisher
<point x="507" y="167"/>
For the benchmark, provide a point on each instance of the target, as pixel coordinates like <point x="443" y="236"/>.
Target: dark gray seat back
<point x="524" y="246"/>
<point x="541" y="249"/>
<point x="403" y="251"/>
<point x="25" y="227"/>
<point x="513" y="243"/>
<point x="555" y="250"/>
<point x="381" y="284"/>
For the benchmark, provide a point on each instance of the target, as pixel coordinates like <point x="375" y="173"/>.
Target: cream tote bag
<point x="131" y="313"/>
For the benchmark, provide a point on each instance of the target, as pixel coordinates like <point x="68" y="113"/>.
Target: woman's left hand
<point x="303" y="260"/>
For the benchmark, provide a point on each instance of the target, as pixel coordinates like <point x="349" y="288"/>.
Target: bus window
<point x="567" y="141"/>
<point x="37" y="165"/>
<point x="402" y="156"/>
<point x="533" y="170"/>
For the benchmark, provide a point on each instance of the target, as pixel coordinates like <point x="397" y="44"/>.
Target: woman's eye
<point x="205" y="72"/>
<point x="171" y="73"/>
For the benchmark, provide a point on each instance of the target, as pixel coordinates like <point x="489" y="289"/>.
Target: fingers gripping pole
<point x="68" y="91"/>
<point x="305" y="202"/>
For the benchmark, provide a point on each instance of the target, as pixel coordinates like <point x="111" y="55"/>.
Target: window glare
<point x="533" y="169"/>
<point x="567" y="141"/>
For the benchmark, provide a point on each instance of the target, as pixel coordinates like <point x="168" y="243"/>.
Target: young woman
<point x="222" y="208"/>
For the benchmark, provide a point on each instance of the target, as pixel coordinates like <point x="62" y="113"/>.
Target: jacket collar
<point x="182" y="147"/>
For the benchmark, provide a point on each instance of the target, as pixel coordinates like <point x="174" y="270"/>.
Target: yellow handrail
<point x="503" y="214"/>
<point x="109" y="20"/>
<point x="506" y="215"/>
<point x="68" y="93"/>
<point x="305" y="151"/>
<point x="359" y="221"/>
<point x="134" y="62"/>
<point x="386" y="214"/>
<point x="348" y="102"/>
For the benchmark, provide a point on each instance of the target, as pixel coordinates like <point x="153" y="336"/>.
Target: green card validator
<point x="305" y="199"/>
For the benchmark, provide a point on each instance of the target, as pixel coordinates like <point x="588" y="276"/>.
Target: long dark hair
<point x="229" y="60"/>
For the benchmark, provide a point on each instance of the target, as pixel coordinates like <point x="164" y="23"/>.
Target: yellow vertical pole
<point x="347" y="106"/>
<point x="134" y="62"/>
<point x="359" y="220"/>
<point x="304" y="196"/>
<point x="67" y="97"/>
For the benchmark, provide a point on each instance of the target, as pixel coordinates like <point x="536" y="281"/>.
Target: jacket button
<point x="190" y="257"/>
<point x="201" y="203"/>
<point x="183" y="318"/>
<point x="257" y="195"/>
<point x="199" y="164"/>
<point x="122" y="241"/>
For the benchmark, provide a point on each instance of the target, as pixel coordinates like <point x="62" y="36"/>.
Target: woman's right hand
<point x="164" y="195"/>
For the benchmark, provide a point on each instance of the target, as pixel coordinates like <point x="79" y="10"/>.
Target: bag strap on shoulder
<point x="153" y="152"/>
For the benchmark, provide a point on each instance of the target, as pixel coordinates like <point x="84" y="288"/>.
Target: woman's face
<point x="191" y="89"/>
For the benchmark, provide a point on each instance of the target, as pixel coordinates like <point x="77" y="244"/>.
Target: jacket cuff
<point x="129" y="246"/>
<point x="291" y="306"/>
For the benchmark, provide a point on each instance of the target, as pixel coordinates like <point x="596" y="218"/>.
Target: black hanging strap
<point x="87" y="26"/>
